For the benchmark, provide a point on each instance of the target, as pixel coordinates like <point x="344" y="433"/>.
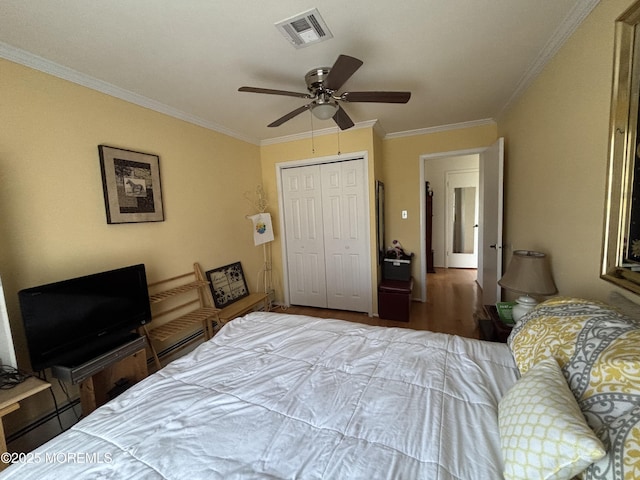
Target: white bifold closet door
<point x="326" y="238"/>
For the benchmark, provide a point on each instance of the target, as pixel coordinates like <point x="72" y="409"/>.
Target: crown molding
<point x="576" y="16"/>
<point x="442" y="128"/>
<point x="36" y="62"/>
<point x="316" y="133"/>
<point x="379" y="130"/>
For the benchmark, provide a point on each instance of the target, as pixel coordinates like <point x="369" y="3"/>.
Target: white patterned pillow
<point x="543" y="433"/>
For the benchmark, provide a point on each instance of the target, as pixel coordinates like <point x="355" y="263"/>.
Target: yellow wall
<point x="556" y="139"/>
<point x="52" y="214"/>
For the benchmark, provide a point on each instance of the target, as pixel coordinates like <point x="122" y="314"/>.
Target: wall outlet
<point x="404" y="214"/>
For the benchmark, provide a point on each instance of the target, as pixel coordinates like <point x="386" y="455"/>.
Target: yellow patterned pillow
<point x="542" y="431"/>
<point x="617" y="367"/>
<point x="604" y="375"/>
<point x="551" y="329"/>
<point x="598" y="349"/>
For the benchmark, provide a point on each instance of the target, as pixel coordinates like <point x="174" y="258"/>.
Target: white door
<point x="302" y="196"/>
<point x="7" y="352"/>
<point x="326" y="235"/>
<point x="345" y="235"/>
<point x="462" y="219"/>
<point x="490" y="227"/>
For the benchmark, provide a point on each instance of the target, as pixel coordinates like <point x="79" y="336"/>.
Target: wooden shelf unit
<point x="242" y="306"/>
<point x="186" y="312"/>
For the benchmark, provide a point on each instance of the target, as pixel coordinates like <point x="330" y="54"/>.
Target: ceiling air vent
<point x="305" y="29"/>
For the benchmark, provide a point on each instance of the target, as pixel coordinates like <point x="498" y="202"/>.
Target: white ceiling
<point x="463" y="60"/>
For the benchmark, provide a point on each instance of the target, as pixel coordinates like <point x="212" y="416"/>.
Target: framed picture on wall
<point x="131" y="185"/>
<point x="227" y="284"/>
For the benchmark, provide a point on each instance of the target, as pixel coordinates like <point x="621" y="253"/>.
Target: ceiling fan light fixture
<point x="324" y="111"/>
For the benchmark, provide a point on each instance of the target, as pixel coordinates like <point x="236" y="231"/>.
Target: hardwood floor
<point x="452" y="297"/>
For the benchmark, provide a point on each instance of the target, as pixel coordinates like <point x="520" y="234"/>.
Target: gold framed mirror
<point x="621" y="240"/>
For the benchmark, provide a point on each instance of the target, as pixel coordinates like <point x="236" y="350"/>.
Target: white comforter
<point x="284" y="396"/>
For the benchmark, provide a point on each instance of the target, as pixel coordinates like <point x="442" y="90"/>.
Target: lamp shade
<point x="528" y="273"/>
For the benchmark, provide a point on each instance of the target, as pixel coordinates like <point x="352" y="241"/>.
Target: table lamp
<point x="528" y="273"/>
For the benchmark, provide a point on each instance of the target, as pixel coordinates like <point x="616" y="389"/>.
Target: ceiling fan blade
<point x="289" y="116"/>
<point x="274" y="92"/>
<point x="342" y="119"/>
<point x="377" y="97"/>
<point x="341" y="71"/>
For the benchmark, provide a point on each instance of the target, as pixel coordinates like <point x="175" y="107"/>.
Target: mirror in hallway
<point x="464" y="219"/>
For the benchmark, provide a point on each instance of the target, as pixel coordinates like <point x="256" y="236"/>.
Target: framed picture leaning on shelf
<point x="227" y="284"/>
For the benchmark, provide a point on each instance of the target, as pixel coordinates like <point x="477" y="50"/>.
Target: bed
<point x="284" y="396"/>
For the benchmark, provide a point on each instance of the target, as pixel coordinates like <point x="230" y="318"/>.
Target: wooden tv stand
<point x="94" y="391"/>
<point x="101" y="378"/>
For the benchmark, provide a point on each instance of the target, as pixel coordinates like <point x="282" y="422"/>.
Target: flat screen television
<point x="70" y="322"/>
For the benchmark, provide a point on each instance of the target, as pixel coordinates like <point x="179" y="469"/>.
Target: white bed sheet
<point x="283" y="396"/>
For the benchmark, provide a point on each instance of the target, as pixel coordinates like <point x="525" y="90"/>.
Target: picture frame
<point x="227" y="284"/>
<point x="131" y="185"/>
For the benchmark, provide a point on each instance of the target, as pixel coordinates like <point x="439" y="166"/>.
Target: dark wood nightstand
<point x="491" y="327"/>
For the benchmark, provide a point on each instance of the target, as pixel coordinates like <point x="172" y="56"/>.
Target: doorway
<point x="490" y="166"/>
<point x="445" y="174"/>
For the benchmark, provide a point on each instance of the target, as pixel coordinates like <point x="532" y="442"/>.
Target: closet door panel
<point x="302" y="197"/>
<point x="345" y="238"/>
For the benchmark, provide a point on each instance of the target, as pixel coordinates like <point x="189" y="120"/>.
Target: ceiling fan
<point x="323" y="84"/>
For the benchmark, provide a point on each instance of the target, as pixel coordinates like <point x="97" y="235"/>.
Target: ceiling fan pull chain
<point x="339" y="152"/>
<point x="313" y="147"/>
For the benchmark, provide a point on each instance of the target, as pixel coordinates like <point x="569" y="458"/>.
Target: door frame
<point x="423" y="213"/>
<point x="364" y="155"/>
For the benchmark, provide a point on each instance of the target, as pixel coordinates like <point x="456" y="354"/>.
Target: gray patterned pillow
<point x="598" y="349"/>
